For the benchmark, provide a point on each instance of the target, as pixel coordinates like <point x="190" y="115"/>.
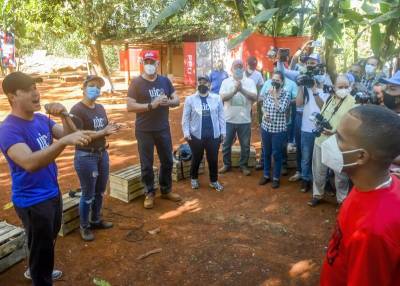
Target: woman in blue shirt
<point x="204" y="128"/>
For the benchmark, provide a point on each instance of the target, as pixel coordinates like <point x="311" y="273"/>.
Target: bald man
<point x="365" y="247"/>
<point x="333" y="110"/>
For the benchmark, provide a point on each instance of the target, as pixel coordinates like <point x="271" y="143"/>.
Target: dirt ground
<point x="246" y="235"/>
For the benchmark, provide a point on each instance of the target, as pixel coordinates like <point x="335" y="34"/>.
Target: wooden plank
<point x="69" y="227"/>
<point x="11" y="259"/>
<point x="12" y="245"/>
<point x="5" y="237"/>
<point x="6" y="229"/>
<point x="71" y="204"/>
<point x="70" y="215"/>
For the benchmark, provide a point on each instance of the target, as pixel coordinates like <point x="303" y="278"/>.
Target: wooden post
<point x="127" y="65"/>
<point x="169" y="59"/>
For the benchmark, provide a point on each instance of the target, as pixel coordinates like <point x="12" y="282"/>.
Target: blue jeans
<point x="243" y="132"/>
<point x="307" y="147"/>
<point x="297" y="136"/>
<point x="272" y="144"/>
<point x="93" y="171"/>
<point x="291" y="124"/>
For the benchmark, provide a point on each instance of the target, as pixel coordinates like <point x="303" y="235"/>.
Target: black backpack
<point x="183" y="154"/>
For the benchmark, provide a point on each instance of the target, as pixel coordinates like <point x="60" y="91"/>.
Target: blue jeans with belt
<point x="93" y="170"/>
<point x="272" y="144"/>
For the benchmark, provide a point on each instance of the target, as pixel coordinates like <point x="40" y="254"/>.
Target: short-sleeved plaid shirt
<point x="274" y="115"/>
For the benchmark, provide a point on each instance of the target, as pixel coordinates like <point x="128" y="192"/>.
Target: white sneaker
<point x="56" y="275"/>
<point x="296" y="177"/>
<point x="195" y="184"/>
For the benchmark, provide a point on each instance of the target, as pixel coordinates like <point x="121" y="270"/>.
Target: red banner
<point x="189" y="55"/>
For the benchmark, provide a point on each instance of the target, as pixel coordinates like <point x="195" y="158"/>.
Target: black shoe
<point x="305" y="186"/>
<point x="101" y="225"/>
<point x="314" y="202"/>
<point x="275" y="184"/>
<point x="264" y="181"/>
<point x="87" y="234"/>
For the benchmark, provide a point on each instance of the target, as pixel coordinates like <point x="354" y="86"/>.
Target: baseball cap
<point x="314" y="57"/>
<point x="150" y="55"/>
<point x="204" y="77"/>
<point x="17" y="80"/>
<point x="395" y="79"/>
<point x="93" y="77"/>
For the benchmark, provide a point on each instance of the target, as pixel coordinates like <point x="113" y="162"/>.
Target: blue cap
<point x="314" y="57"/>
<point x="395" y="79"/>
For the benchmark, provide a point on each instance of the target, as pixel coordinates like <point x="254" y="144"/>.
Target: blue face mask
<point x="92" y="92"/>
<point x="319" y="78"/>
<point x="238" y="73"/>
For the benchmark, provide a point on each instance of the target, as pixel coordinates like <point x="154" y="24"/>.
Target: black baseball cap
<point x="18" y="81"/>
<point x="205" y="77"/>
<point x="93" y="77"/>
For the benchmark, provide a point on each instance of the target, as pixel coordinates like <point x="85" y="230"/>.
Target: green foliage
<point x="100" y="282"/>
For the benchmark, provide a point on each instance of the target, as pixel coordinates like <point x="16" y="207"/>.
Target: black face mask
<point x="389" y="101"/>
<point x="203" y="89"/>
<point x="276" y="84"/>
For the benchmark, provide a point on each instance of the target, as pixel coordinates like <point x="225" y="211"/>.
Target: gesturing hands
<point x="55" y="109"/>
<point x="79" y="138"/>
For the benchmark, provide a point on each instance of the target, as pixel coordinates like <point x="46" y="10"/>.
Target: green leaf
<point x="367" y="8"/>
<point x="100" y="282"/>
<point x="345" y="4"/>
<point x="384" y="7"/>
<point x="167" y="12"/>
<point x="332" y="29"/>
<point x="233" y="43"/>
<point x="376" y="39"/>
<point x="386" y="17"/>
<point x="352" y="15"/>
<point x="264" y="16"/>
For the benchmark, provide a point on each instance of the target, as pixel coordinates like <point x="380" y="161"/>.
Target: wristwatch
<point x="149" y="107"/>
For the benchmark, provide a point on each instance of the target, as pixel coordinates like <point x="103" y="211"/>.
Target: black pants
<point x="211" y="146"/>
<point x="42" y="223"/>
<point x="146" y="142"/>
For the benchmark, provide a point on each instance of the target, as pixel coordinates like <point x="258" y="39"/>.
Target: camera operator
<point x="391" y="99"/>
<point x="311" y="100"/>
<point x="335" y="107"/>
<point x="299" y="58"/>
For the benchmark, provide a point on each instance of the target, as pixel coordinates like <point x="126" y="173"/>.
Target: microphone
<point x="64" y="113"/>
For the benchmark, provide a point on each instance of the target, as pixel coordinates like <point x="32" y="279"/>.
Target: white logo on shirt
<point x="155" y="92"/>
<point x="98" y="123"/>
<point x="42" y="140"/>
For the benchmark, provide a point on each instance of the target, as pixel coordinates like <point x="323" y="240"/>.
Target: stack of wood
<point x="181" y="169"/>
<point x="70" y="216"/>
<point x="126" y="184"/>
<point x="12" y="245"/>
<point x="235" y="156"/>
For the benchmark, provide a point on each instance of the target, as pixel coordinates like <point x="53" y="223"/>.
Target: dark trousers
<point x="42" y="223"/>
<point x="273" y="143"/>
<point x="243" y="132"/>
<point x="163" y="143"/>
<point x="297" y="136"/>
<point x="93" y="171"/>
<point x="211" y="146"/>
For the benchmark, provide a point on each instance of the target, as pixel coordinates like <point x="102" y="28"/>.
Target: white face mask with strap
<point x="332" y="157"/>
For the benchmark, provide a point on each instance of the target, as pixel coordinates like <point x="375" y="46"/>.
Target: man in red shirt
<point x="365" y="247"/>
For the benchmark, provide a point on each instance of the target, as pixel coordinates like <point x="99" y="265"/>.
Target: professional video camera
<point x="281" y="53"/>
<point x="320" y="123"/>
<point x="364" y="96"/>
<point x="328" y="89"/>
<point x="307" y="79"/>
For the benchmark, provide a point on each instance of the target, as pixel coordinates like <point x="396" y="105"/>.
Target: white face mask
<point x="150" y="69"/>
<point x="370" y="69"/>
<point x="250" y="71"/>
<point x="332" y="157"/>
<point x="342" y="92"/>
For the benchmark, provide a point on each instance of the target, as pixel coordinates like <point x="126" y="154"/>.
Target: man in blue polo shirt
<point x="26" y="142"/>
<point x="217" y="76"/>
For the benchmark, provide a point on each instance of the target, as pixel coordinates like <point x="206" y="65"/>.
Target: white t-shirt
<point x="309" y="108"/>
<point x="238" y="108"/>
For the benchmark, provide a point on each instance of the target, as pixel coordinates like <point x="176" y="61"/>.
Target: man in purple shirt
<point x="26" y="140"/>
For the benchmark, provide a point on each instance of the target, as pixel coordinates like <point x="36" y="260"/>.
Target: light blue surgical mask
<point x="319" y="78"/>
<point x="238" y="73"/>
<point x="92" y="92"/>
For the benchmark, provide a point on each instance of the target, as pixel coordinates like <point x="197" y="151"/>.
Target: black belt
<point x="92" y="150"/>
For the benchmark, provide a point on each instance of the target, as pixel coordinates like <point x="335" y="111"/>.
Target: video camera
<point x="320" y="123"/>
<point x="307" y="79"/>
<point x="364" y="96"/>
<point x="281" y="53"/>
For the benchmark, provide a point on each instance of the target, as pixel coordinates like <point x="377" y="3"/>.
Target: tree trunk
<point x="355" y="44"/>
<point x="301" y="21"/>
<point x="96" y="56"/>
<point x="240" y="9"/>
